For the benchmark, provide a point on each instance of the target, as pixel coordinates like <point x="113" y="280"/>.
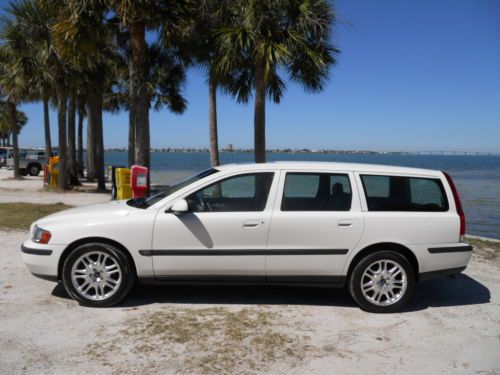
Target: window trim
<point x="248" y="173"/>
<point x="315" y="173"/>
<point x="440" y="185"/>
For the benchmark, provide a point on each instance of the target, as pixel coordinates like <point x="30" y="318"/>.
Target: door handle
<point x="252" y="223"/>
<point x="345" y="223"/>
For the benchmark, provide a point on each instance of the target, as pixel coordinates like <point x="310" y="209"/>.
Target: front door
<point x="316" y="222"/>
<point x="224" y="234"/>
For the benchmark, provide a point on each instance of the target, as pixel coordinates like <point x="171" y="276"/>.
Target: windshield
<point x="155" y="198"/>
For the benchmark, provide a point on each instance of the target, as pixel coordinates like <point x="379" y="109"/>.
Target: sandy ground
<point x="451" y="326"/>
<point x="30" y="190"/>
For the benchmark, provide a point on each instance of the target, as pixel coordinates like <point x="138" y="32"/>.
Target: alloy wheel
<point x="96" y="275"/>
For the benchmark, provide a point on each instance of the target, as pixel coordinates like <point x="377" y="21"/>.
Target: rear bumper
<point x="42" y="260"/>
<point x="439" y="273"/>
<point x="436" y="259"/>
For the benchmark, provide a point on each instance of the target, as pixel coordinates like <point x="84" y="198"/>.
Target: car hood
<point x="91" y="212"/>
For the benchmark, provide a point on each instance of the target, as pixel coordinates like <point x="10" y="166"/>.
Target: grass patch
<point x="207" y="341"/>
<point x="20" y="215"/>
<point x="485" y="251"/>
<point x="483" y="243"/>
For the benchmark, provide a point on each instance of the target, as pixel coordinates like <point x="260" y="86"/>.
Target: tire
<point x="34" y="169"/>
<point x="85" y="266"/>
<point x="384" y="292"/>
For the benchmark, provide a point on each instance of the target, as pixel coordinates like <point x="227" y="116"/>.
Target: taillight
<point x="458" y="204"/>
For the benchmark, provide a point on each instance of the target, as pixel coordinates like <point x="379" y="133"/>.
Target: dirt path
<point x="452" y="326"/>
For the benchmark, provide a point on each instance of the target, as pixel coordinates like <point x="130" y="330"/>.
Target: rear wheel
<point x="34" y="170"/>
<point x="98" y="275"/>
<point x="382" y="282"/>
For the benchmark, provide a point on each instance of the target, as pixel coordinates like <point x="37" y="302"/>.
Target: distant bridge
<point x="463" y="153"/>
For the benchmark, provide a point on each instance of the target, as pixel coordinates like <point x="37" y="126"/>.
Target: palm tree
<point x="81" y="115"/>
<point x="138" y="17"/>
<point x="72" y="162"/>
<point x="270" y="36"/>
<point x="7" y="118"/>
<point x="164" y="80"/>
<point x="86" y="29"/>
<point x="32" y="21"/>
<point x="15" y="74"/>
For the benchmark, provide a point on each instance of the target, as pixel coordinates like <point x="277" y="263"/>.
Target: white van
<point x="375" y="229"/>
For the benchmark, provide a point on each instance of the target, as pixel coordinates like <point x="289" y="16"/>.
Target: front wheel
<point x="98" y="275"/>
<point x="382" y="282"/>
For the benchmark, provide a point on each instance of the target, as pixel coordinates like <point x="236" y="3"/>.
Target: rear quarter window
<point x="401" y="193"/>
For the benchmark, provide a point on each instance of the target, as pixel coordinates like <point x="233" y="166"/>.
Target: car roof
<point x="333" y="166"/>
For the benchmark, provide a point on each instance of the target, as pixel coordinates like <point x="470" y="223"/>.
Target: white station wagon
<point x="376" y="230"/>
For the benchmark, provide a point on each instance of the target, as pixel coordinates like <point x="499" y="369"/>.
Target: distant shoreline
<point x="292" y="151"/>
<point x="313" y="151"/>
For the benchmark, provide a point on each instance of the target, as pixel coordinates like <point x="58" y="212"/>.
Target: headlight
<point x="41" y="235"/>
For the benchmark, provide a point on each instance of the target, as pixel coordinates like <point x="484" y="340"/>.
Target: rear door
<point x="316" y="222"/>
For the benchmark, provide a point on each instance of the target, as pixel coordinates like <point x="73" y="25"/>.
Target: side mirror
<point x="179" y="206"/>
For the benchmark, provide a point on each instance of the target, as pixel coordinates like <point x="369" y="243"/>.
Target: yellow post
<point x="54" y="171"/>
<point x="123" y="187"/>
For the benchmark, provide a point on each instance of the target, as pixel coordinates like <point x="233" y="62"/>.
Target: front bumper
<point x="42" y="260"/>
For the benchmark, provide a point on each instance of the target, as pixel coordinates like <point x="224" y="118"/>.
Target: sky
<point x="412" y="76"/>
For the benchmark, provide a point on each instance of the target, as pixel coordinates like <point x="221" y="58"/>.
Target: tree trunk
<point x="94" y="121"/>
<point x="81" y="115"/>
<point x="62" y="107"/>
<point x="212" y="123"/>
<point x="90" y="142"/>
<point x="140" y="97"/>
<point x="15" y="145"/>
<point x="99" y="155"/>
<point x="46" y="124"/>
<point x="260" y="114"/>
<point x="72" y="168"/>
<point x="131" y="117"/>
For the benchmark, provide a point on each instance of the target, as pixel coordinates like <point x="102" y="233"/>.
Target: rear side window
<point x="316" y="192"/>
<point x="398" y="193"/>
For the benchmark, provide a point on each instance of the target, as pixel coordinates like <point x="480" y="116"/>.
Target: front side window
<point x="248" y="192"/>
<point x="155" y="198"/>
<point x="316" y="192"/>
<point x="399" y="193"/>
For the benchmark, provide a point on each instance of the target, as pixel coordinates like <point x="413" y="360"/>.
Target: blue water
<point x="477" y="177"/>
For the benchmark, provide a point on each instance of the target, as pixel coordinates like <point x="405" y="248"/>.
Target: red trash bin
<point x="139" y="180"/>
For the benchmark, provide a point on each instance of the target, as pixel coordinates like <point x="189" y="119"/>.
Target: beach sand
<point x="452" y="326"/>
<point x="30" y="190"/>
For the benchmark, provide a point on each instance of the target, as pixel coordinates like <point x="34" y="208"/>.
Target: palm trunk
<point x="79" y="155"/>
<point x="72" y="168"/>
<point x="90" y="141"/>
<point x="15" y="145"/>
<point x="46" y="124"/>
<point x="131" y="117"/>
<point x="140" y="98"/>
<point x="260" y="114"/>
<point x="94" y="121"/>
<point x="212" y="124"/>
<point x="99" y="155"/>
<point x="62" y="106"/>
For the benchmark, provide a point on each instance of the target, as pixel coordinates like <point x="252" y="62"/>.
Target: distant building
<point x="230" y="147"/>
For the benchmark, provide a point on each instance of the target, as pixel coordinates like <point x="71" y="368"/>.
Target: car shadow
<point x="444" y="292"/>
